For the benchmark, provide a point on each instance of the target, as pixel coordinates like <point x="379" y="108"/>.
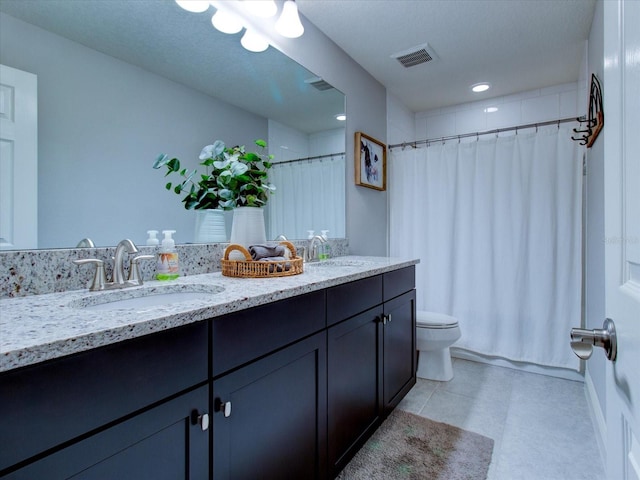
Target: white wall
<point x="551" y="103"/>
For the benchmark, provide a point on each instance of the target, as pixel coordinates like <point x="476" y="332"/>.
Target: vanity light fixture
<point x="289" y="25"/>
<point x="480" y="87"/>
<point x="229" y="14"/>
<point x="341" y="117"/>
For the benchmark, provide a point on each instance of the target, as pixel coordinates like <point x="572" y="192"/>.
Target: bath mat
<point x="407" y="446"/>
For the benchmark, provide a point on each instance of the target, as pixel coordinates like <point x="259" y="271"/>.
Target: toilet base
<point x="435" y="365"/>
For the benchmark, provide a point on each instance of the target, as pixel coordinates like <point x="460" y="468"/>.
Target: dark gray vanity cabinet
<point x="371" y="357"/>
<point x="119" y="411"/>
<point x="288" y="389"/>
<point x="269" y="391"/>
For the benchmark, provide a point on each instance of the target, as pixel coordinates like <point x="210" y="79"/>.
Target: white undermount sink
<point x="147" y="297"/>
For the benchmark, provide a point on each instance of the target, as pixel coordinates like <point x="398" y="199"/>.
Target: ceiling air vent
<point x="415" y="56"/>
<point x="319" y="84"/>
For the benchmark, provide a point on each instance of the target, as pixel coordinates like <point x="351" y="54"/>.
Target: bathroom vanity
<point x="272" y="379"/>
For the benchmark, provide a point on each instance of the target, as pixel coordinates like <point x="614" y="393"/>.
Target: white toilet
<point x="435" y="333"/>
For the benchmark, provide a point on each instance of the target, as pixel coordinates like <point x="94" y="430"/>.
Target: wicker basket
<point x="249" y="268"/>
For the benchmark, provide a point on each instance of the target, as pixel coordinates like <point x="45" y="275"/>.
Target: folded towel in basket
<point x="277" y="267"/>
<point x="259" y="252"/>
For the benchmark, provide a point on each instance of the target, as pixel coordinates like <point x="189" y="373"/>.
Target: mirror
<point x="119" y="82"/>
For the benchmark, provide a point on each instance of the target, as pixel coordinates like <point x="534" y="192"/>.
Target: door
<point x="622" y="231"/>
<point x="269" y="416"/>
<point x="18" y="159"/>
<point x="354" y="385"/>
<point x="399" y="352"/>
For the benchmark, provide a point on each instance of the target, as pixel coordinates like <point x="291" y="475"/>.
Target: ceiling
<point x="516" y="45"/>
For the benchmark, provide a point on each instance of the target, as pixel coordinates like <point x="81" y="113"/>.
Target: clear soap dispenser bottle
<point x="325" y="248"/>
<point x="168" y="267"/>
<point x="153" y="239"/>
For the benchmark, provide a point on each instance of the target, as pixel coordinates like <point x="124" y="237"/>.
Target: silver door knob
<point x="583" y="341"/>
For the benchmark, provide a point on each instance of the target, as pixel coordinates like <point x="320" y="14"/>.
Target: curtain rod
<point x="486" y="132"/>
<point x="316" y="157"/>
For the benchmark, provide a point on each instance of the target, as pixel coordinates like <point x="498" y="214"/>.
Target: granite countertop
<point x="42" y="327"/>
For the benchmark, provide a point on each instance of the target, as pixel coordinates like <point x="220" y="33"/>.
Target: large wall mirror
<point x="119" y="82"/>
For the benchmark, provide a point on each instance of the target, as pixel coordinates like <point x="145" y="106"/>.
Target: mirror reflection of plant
<point x="233" y="178"/>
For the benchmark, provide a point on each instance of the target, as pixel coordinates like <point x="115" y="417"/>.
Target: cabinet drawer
<point x="244" y="336"/>
<point x="398" y="282"/>
<point x="47" y="404"/>
<point x="344" y="301"/>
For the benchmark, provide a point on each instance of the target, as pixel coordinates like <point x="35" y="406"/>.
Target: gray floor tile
<point x="540" y="424"/>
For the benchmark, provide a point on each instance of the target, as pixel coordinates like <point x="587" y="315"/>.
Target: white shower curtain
<point x="497" y="226"/>
<point x="310" y="195"/>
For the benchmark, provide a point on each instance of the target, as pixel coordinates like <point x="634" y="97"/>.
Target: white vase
<point x="247" y="229"/>
<point x="210" y="227"/>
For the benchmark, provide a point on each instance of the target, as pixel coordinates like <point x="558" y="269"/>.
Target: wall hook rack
<point x="591" y="125"/>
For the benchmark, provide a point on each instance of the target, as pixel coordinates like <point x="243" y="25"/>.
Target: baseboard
<point x="597" y="417"/>
<point x="565" y="373"/>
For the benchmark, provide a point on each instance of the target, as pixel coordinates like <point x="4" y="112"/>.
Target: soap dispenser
<point x="168" y="266"/>
<point x="325" y="247"/>
<point x="153" y="239"/>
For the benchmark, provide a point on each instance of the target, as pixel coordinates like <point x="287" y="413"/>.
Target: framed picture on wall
<point x="370" y="162"/>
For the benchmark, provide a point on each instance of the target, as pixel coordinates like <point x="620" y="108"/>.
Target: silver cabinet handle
<point x="224" y="407"/>
<point x="203" y="420"/>
<point x="583" y="341"/>
<point x="386" y="318"/>
<point x="200" y="419"/>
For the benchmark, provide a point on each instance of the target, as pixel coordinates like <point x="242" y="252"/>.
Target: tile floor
<point x="540" y="425"/>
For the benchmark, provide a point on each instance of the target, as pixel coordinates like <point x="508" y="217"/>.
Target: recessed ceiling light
<point x="490" y="109"/>
<point x="480" y="87"/>
<point x="341" y="116"/>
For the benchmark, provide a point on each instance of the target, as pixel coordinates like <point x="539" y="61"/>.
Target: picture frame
<point x="370" y="162"/>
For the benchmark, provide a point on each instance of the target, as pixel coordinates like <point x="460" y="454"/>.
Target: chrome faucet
<point x="312" y="251"/>
<point x="118" y="281"/>
<point x="127" y="246"/>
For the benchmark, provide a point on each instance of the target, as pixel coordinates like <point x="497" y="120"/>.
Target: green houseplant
<point x="233" y="178"/>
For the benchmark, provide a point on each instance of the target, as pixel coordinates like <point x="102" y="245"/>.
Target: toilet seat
<point x="435" y="320"/>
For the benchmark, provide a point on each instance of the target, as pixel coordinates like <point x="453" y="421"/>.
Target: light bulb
<point x="254" y="42"/>
<point x="261" y="8"/>
<point x="226" y="22"/>
<point x="480" y="87"/>
<point x="289" y="25"/>
<point x="195" y="6"/>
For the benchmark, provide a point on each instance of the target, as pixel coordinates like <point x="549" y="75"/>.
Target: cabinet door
<point x="354" y="384"/>
<point x="165" y="442"/>
<point x="270" y="416"/>
<point x="399" y="354"/>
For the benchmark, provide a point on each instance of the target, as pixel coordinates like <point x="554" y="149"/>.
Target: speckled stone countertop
<point x="42" y="327"/>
